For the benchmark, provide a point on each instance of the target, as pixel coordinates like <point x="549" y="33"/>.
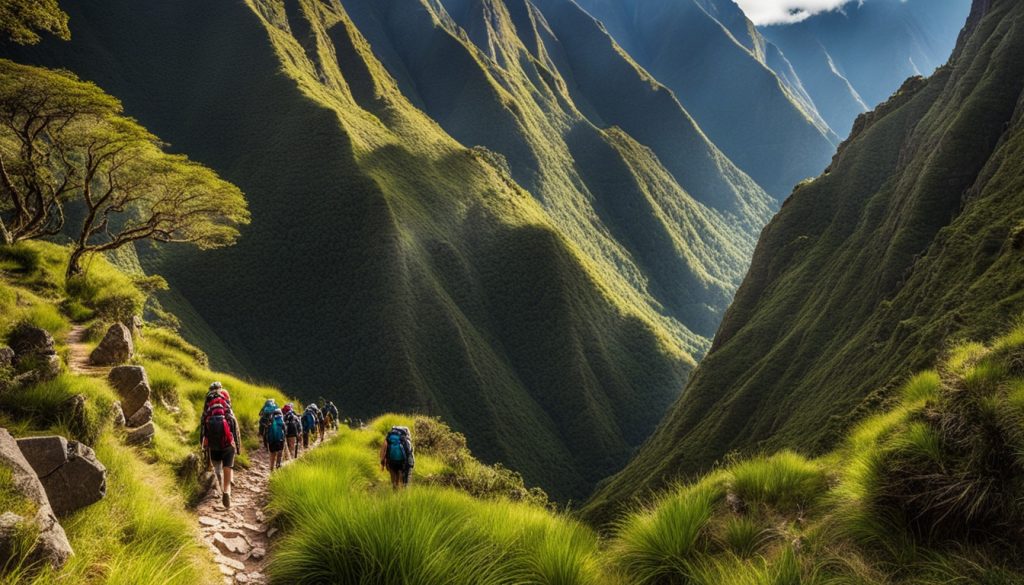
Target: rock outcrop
<point x="141" y="435"/>
<point x="116" y="348"/>
<point x="34" y="354"/>
<point x="6" y="357"/>
<point x="51" y="545"/>
<point x="69" y="471"/>
<point x="132" y="385"/>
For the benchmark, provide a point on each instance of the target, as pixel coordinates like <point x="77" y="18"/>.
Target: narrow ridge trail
<point x="78" y="354"/>
<point x="239" y="537"/>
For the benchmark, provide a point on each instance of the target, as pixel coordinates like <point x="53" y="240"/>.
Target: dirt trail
<point x="239" y="537"/>
<point x="78" y="360"/>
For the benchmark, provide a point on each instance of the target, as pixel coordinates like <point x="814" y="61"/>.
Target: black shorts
<point x="225" y="455"/>
<point x="276" y="446"/>
<point x="396" y="465"/>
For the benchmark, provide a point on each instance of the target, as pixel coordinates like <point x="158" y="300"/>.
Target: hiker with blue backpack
<point x="396" y="456"/>
<point x="275" y="438"/>
<point x="265" y="413"/>
<point x="218" y="434"/>
<point x="310" y="423"/>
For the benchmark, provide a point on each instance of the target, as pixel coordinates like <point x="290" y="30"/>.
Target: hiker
<point x="292" y="430"/>
<point x="396" y="456"/>
<point x="276" y="438"/>
<point x="321" y="424"/>
<point x="265" y="413"/>
<point x="309" y="423"/>
<point x="331" y="413"/>
<point x="218" y="434"/>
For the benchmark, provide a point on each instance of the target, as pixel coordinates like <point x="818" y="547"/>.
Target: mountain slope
<point x="719" y="67"/>
<point x="416" y="272"/>
<point x="849" y="60"/>
<point x="915" y="234"/>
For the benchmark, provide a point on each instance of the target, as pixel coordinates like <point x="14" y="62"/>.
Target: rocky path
<point x="78" y="358"/>
<point x="239" y="537"/>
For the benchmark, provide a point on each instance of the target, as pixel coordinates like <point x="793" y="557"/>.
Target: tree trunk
<point x="75" y="263"/>
<point x="5" y="234"/>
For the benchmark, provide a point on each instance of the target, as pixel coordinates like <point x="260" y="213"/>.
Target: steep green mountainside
<point x="914" y="234"/>
<point x="671" y="226"/>
<point x="849" y="60"/>
<point x="723" y="73"/>
<point x="387" y="266"/>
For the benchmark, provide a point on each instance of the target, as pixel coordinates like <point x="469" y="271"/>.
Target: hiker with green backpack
<point x="275" y="438"/>
<point x="269" y="406"/>
<point x="396" y="456"/>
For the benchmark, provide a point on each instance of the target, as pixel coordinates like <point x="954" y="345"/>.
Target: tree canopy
<point x="20" y="20"/>
<point x="64" y="143"/>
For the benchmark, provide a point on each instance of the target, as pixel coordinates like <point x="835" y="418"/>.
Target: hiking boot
<point x="226" y="500"/>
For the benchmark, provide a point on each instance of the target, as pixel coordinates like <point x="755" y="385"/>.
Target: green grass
<point x="785" y="480"/>
<point x="343" y="524"/>
<point x="868" y="273"/>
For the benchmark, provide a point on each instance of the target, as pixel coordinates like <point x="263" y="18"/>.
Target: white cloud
<point x="786" y="11"/>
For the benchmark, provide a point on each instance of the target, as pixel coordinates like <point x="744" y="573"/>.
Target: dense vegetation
<point x="142" y="528"/>
<point x="911" y="237"/>
<point x="927" y="491"/>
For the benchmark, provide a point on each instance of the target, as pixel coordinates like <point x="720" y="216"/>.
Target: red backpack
<point x="216" y="424"/>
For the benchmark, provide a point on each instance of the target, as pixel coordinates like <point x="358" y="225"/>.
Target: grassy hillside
<point x="912" y="236"/>
<point x="762" y="122"/>
<point x="142" y="529"/>
<point x="387" y="266"/>
<point x="927" y="491"/>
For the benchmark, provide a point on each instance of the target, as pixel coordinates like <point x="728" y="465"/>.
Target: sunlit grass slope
<point x="926" y="491"/>
<point x="912" y="236"/>
<point x="929" y="491"/>
<point x="142" y="531"/>
<point x="343" y="524"/>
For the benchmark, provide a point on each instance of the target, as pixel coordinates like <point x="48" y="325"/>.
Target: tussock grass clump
<point x="785" y="480"/>
<point x="345" y="526"/>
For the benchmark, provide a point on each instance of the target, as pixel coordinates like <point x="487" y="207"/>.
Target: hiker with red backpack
<point x="396" y="456"/>
<point x="218" y="434"/>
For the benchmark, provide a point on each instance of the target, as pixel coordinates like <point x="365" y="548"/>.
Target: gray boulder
<point x="132" y="385"/>
<point x="51" y="545"/>
<point x="142" y="416"/>
<point x="117" y="414"/>
<point x="116" y="347"/>
<point x="69" y="471"/>
<point x="27" y="340"/>
<point x="141" y="435"/>
<point x="6" y="357"/>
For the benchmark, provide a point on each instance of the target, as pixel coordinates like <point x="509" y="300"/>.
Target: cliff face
<point x="912" y="236"/>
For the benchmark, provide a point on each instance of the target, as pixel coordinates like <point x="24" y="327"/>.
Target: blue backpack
<point x="275" y="432"/>
<point x="308" y="420"/>
<point x="396" y="451"/>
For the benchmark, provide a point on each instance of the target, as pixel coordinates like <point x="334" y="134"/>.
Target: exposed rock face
<point x="117" y="414"/>
<point x="69" y="471"/>
<point x="27" y="340"/>
<point x="33" y="349"/>
<point x="132" y="385"/>
<point x="116" y="347"/>
<point x="141" y="435"/>
<point x="51" y="545"/>
<point x="142" y="416"/>
<point x="6" y="356"/>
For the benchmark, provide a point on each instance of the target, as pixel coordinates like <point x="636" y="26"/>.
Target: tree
<point x="64" y="142"/>
<point x="42" y="117"/>
<point x="20" y="19"/>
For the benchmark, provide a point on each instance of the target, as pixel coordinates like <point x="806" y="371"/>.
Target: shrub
<point x="785" y="480"/>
